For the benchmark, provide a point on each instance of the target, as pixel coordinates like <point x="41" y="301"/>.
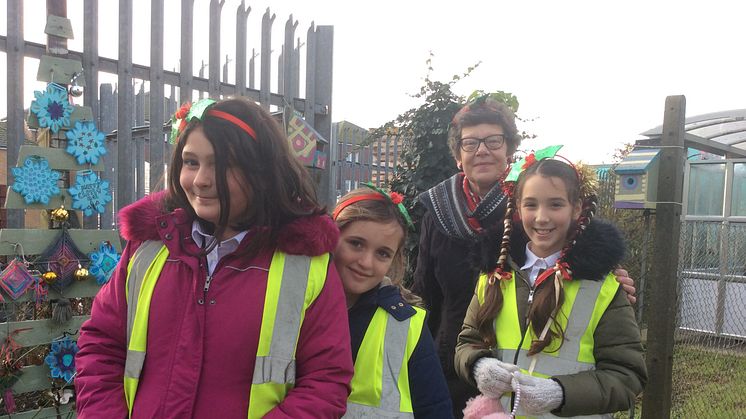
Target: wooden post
<point x="656" y="402"/>
<point x="125" y="99"/>
<point x="14" y="83"/>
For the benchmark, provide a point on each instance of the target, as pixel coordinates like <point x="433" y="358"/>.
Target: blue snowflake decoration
<point x="85" y="142"/>
<point x="52" y="108"/>
<point x="90" y="193"/>
<point x="61" y="358"/>
<point x="103" y="262"/>
<point x="35" y="180"/>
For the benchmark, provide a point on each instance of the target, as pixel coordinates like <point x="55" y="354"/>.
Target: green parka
<point x="620" y="372"/>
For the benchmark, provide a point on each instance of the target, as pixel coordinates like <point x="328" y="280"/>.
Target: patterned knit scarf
<point x="448" y="204"/>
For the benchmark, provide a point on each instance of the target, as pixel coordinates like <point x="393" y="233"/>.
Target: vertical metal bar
<point x="242" y="14"/>
<point x="310" y="110"/>
<point x="664" y="272"/>
<point x="90" y="57"/>
<point x="295" y="71"/>
<point x="287" y="60"/>
<point x="266" y="57"/>
<point x="138" y="141"/>
<point x="216" y="6"/>
<point x="323" y="93"/>
<point x="157" y="95"/>
<point x="252" y="69"/>
<point x="186" y="62"/>
<point x="108" y="124"/>
<point x="125" y="163"/>
<point x="14" y="100"/>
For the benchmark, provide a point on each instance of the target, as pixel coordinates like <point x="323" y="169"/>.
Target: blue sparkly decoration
<point x="85" y="142"/>
<point x="35" y="180"/>
<point x="90" y="193"/>
<point x="52" y="108"/>
<point x="103" y="262"/>
<point x="61" y="358"/>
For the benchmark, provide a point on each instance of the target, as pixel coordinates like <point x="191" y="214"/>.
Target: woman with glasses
<point x="463" y="220"/>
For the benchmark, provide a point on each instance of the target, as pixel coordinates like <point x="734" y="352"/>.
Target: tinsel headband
<point x="198" y="110"/>
<point x="379" y="195"/>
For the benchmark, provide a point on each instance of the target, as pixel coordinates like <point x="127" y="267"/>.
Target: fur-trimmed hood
<point x="597" y="251"/>
<point x="309" y="236"/>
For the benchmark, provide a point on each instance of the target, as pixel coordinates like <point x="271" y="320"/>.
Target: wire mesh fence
<point x="709" y="354"/>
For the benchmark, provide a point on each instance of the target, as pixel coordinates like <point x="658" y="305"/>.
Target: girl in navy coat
<point x="397" y="372"/>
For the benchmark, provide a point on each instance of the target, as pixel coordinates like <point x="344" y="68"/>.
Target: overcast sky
<point x="591" y="74"/>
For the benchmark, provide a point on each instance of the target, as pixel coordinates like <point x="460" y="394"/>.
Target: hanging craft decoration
<point x="62" y="258"/>
<point x="52" y="108"/>
<point x="81" y="274"/>
<point x="103" y="262"/>
<point x="15" y="279"/>
<point x="301" y="137"/>
<point x="11" y="368"/>
<point x="40" y="290"/>
<point x="35" y="180"/>
<point x="61" y="358"/>
<point x="90" y="193"/>
<point x="85" y="142"/>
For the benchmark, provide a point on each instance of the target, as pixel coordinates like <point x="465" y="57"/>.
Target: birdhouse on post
<point x="637" y="179"/>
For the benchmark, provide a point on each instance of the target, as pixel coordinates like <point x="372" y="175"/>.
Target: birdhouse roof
<point x="637" y="161"/>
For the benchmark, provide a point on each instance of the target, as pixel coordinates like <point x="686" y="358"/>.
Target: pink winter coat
<point x="200" y="357"/>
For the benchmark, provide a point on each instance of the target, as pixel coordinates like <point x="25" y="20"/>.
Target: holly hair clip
<point x="396" y="198"/>
<point x="198" y="110"/>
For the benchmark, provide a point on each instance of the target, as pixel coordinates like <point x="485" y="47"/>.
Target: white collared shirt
<point x="537" y="264"/>
<point x="223" y="248"/>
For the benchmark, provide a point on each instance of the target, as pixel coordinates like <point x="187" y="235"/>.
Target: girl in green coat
<point x="549" y="331"/>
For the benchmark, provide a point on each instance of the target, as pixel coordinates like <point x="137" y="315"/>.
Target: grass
<point x="708" y="382"/>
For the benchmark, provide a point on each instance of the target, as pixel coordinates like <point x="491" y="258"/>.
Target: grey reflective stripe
<point x="394" y="349"/>
<point x="274" y="369"/>
<point x="579" y="318"/>
<point x="360" y="411"/>
<point x="566" y="360"/>
<point x="279" y="366"/>
<point x="141" y="260"/>
<point x="134" y="363"/>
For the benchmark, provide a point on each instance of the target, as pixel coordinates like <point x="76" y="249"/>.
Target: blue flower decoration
<point x="35" y="180"/>
<point x="90" y="193"/>
<point x="52" y="108"/>
<point x="85" y="142"/>
<point x="61" y="359"/>
<point x="103" y="262"/>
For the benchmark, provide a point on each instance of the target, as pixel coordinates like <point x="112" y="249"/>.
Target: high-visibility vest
<point x="293" y="284"/>
<point x="380" y="386"/>
<point x="584" y="304"/>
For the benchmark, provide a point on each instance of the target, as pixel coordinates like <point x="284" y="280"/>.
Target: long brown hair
<point x="379" y="211"/>
<point x="544" y="307"/>
<point x="280" y="187"/>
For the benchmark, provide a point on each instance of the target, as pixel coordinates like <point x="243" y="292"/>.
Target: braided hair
<point x="547" y="299"/>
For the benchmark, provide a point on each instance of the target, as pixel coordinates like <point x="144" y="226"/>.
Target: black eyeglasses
<point x="493" y="142"/>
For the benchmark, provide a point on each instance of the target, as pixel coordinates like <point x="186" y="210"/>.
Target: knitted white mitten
<point x="538" y="395"/>
<point x="493" y="377"/>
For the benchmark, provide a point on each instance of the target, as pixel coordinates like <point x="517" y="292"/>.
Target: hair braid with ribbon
<point x="547" y="300"/>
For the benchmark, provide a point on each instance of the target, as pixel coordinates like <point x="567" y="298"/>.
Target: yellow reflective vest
<point x="584" y="304"/>
<point x="293" y="284"/>
<point x="380" y="386"/>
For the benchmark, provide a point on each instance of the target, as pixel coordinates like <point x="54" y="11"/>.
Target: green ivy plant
<point x="425" y="158"/>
